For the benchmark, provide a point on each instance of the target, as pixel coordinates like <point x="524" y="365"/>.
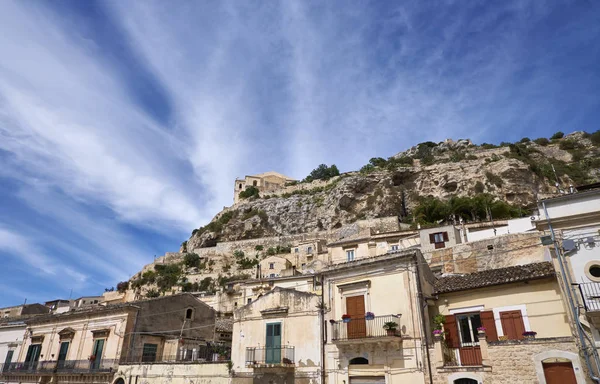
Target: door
<point x="469" y="351"/>
<point x="62" y="354"/>
<point x="355" y="307"/>
<point x="7" y="361"/>
<point x="559" y="373"/>
<point x="512" y="324"/>
<point x="97" y="353"/>
<point x="32" y="357"/>
<point x="273" y="344"/>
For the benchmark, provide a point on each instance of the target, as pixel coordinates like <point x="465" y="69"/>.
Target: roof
<point x="392" y="255"/>
<point x="493" y="277"/>
<point x="224" y="324"/>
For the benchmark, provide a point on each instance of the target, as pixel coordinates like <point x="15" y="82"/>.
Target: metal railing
<point x="590" y="293"/>
<point x="63" y="366"/>
<point x="364" y="327"/>
<point x="280" y="355"/>
<point x="201" y="354"/>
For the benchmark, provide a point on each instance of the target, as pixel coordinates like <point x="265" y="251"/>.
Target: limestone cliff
<point x="518" y="174"/>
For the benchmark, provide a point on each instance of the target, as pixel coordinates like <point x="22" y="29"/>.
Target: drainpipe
<point x="422" y="303"/>
<point x="571" y="301"/>
<point x="323" y="325"/>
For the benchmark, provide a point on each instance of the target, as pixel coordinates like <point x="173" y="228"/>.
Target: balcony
<point x="65" y="366"/>
<point x="200" y="355"/>
<point x="282" y="356"/>
<point x="590" y="293"/>
<point x="363" y="329"/>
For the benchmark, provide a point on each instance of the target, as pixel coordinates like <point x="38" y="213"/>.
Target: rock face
<point x="518" y="173"/>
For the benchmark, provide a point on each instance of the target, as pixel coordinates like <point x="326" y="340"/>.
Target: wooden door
<point x="512" y="324"/>
<point x="559" y="373"/>
<point x="355" y="307"/>
<point x="273" y="344"/>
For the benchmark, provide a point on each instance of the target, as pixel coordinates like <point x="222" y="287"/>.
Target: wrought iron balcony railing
<point x="265" y="356"/>
<point x="202" y="354"/>
<point x="64" y="366"/>
<point x="590" y="292"/>
<point x="365" y="327"/>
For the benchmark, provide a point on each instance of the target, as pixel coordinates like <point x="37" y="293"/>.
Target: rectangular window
<point x="303" y="265"/>
<point x="249" y="300"/>
<point x="8" y="360"/>
<point x="309" y="250"/>
<point x="295" y="250"/>
<point x="512" y="324"/>
<point x="62" y="353"/>
<point x="149" y="353"/>
<point x="273" y="343"/>
<point x="395" y="247"/>
<point x="272" y="275"/>
<point x="33" y="356"/>
<point x="350" y="255"/>
<point x="467" y="329"/>
<point x="271" y="265"/>
<point x="439" y="239"/>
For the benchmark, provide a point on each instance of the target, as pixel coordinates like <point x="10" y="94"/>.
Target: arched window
<point x="359" y="360"/>
<point x="240" y="187"/>
<point x="465" y="381"/>
<point x="255" y="183"/>
<point x="119" y="381"/>
<point x="189" y="313"/>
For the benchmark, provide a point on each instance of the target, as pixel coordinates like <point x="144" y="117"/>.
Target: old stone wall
<point x="516" y="361"/>
<point x="212" y="373"/>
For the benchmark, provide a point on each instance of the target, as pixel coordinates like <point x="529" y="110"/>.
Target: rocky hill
<point x="423" y="184"/>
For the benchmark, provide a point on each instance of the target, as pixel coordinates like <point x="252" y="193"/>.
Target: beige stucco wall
<point x="545" y="312"/>
<point x="279" y="265"/>
<point x="213" y="373"/>
<point x="453" y="237"/>
<point x="81" y="345"/>
<point x="299" y="328"/>
<point x="388" y="287"/>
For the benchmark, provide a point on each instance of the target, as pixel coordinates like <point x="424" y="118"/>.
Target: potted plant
<point x="438" y="332"/>
<point x="346" y="318"/>
<point x="529" y="335"/>
<point x="390" y="327"/>
<point x="332" y="321"/>
<point x="92" y="358"/>
<point x="481" y="330"/>
<point x="369" y="316"/>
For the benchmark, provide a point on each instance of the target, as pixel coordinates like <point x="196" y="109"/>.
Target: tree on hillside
<point x="323" y="172"/>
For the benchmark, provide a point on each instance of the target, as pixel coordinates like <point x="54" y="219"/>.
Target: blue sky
<point x="124" y="123"/>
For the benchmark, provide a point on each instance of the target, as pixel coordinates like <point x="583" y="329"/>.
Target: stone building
<point x="89" y="344"/>
<point x="265" y="182"/>
<point x="486" y="317"/>
<point x="23" y="310"/>
<point x="374" y="329"/>
<point x="277" y="339"/>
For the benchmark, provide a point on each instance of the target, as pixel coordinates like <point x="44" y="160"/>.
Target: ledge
<point x="539" y="340"/>
<point x="467" y="368"/>
<point x="274" y="311"/>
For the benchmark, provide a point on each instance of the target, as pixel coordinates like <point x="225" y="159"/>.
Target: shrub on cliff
<point x="250" y="191"/>
<point x="323" y="172"/>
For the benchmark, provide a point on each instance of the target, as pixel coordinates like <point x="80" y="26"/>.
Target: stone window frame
<point x="586" y="270"/>
<point x="465" y="375"/>
<point x="359" y="288"/>
<point x="555" y="353"/>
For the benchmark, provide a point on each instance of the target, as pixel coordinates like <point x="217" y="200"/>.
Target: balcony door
<point x="62" y="354"/>
<point x="273" y="344"/>
<point x="33" y="356"/>
<point x="355" y="307"/>
<point x="97" y="353"/>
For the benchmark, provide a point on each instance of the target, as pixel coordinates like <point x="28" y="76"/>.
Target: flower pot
<point x="532" y="337"/>
<point x="368" y="317"/>
<point x="391" y="332"/>
<point x="346" y="320"/>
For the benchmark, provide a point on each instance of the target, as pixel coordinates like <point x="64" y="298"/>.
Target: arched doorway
<point x="358" y="361"/>
<point x="120" y="380"/>
<point x="559" y="371"/>
<point x="465" y="380"/>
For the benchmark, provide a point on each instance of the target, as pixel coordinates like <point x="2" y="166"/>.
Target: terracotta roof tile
<point x="492" y="277"/>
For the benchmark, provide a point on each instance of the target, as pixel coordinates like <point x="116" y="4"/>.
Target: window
<point x="467" y="329"/>
<point x="595" y="270"/>
<point x="592" y="270"/>
<point x="303" y="265"/>
<point x="295" y="250"/>
<point x="149" y="352"/>
<point x="358" y="360"/>
<point x="309" y="250"/>
<point x="395" y="247"/>
<point x="255" y="183"/>
<point x="272" y="275"/>
<point x="189" y="313"/>
<point x="512" y="324"/>
<point x="271" y="265"/>
<point x="439" y="239"/>
<point x="95" y="301"/>
<point x="350" y="254"/>
<point x="240" y="186"/>
<point x="490" y="247"/>
<point x="249" y="300"/>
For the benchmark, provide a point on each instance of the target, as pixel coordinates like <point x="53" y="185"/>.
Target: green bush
<point x="366" y="169"/>
<point x="479" y="187"/>
<point x="322" y="172"/>
<point x="205" y="284"/>
<point x="488" y="146"/>
<point x="259" y="248"/>
<point x="123" y="286"/>
<point x="431" y="210"/>
<point x="250" y="191"/>
<point x="568" y="145"/>
<point x="494" y="179"/>
<point x="191" y="260"/>
<point x="525" y="140"/>
<point x="595" y="138"/>
<point x="542" y="141"/>
<point x="152" y="293"/>
<point x="557" y="135"/>
<point x="457" y="156"/>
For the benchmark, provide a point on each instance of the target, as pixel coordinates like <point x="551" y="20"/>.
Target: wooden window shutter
<point x="451" y="331"/>
<point x="488" y="322"/>
<point x="431" y="238"/>
<point x="512" y="324"/>
<point x="445" y="236"/>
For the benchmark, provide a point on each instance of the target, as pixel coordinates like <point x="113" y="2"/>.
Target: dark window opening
<point x="490" y="247"/>
<point x="149" y="353"/>
<point x="189" y="313"/>
<point x="465" y="381"/>
<point x="255" y="183"/>
<point x="595" y="270"/>
<point x="240" y="186"/>
<point x="359" y="361"/>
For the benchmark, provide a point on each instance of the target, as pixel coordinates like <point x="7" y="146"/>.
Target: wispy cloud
<point x="123" y="124"/>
